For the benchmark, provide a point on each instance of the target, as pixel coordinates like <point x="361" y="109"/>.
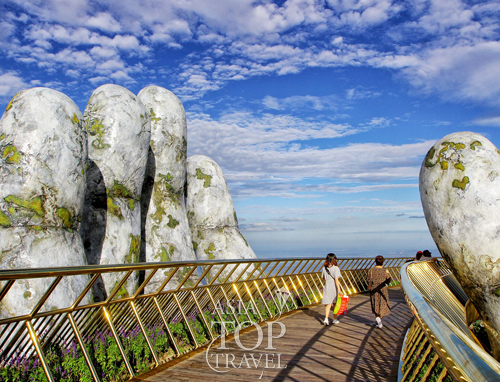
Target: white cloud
<point x="72" y="73"/>
<point x="445" y="14"/>
<point x="448" y="47"/>
<point x="302" y="102"/>
<point x="104" y="21"/>
<point x="491" y="121"/>
<point x="11" y="83"/>
<point x="263" y="227"/>
<point x="99" y="52"/>
<point x="56" y="10"/>
<point x="359" y="93"/>
<point x="263" y="156"/>
<point x="110" y="66"/>
<point x="121" y="76"/>
<point x="460" y="72"/>
<point x="98" y="80"/>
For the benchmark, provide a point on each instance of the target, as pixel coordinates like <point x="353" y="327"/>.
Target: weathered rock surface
<point x="167" y="233"/>
<point x="211" y="214"/>
<point x="460" y="190"/>
<point x="42" y="178"/>
<point x="118" y="129"/>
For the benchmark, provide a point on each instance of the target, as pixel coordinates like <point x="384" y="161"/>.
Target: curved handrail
<point x="438" y="319"/>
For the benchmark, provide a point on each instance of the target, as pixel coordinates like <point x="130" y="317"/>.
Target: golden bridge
<point x="242" y="320"/>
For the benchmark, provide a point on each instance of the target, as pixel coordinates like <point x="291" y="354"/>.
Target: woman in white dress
<point x="331" y="274"/>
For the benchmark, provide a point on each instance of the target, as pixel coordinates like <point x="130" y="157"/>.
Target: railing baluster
<point x="39" y="351"/>
<point x="201" y="314"/>
<point x="6" y="289"/>
<point x="47" y="294"/>
<point x="216" y="310"/>
<point x="109" y="320"/>
<point x="296" y="291"/>
<point x="217" y="275"/>
<point x="240" y="302"/>
<point x="272" y="296"/>
<point x="167" y="328"/>
<point x="144" y="333"/>
<point x="86" y="355"/>
<point x="196" y="345"/>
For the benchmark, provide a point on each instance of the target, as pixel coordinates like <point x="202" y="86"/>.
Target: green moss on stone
<point x="122" y="292"/>
<point x="154" y="118"/>
<point x="172" y="223"/>
<point x="164" y="255"/>
<point x="34" y="204"/>
<point x="207" y="178"/>
<point x="27" y="295"/>
<point x="96" y="129"/>
<point x="134" y="250"/>
<point x="475" y="144"/>
<point x="459" y="166"/>
<point x="10" y="154"/>
<point x="35" y="227"/>
<point x="429" y="156"/>
<point x="461" y="183"/>
<point x="119" y="191"/>
<point x="4" y="220"/>
<point x="113" y="209"/>
<point x="459" y="146"/>
<point x="66" y="218"/>
<point x="131" y="204"/>
<point x="2" y="137"/>
<point x="444" y="165"/>
<point x="195" y="245"/>
<point x="496" y="292"/>
<point x="9" y="105"/>
<point x="165" y="179"/>
<point x="209" y="251"/>
<point x="75" y="118"/>
<point x="158" y="215"/>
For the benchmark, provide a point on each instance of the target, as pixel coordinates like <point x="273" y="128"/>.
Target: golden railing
<point x="127" y="334"/>
<point x="439" y="345"/>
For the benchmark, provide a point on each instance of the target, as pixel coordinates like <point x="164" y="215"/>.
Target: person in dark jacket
<point x="378" y="278"/>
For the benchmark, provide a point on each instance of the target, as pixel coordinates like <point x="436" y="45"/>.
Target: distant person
<point x="427" y="256"/>
<point x="417" y="257"/>
<point x="378" y="278"/>
<point x="331" y="274"/>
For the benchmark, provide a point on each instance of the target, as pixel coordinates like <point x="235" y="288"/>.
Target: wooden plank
<point x="354" y="350"/>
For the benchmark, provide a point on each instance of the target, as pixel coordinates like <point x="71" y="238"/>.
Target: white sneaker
<point x="326" y="322"/>
<point x="379" y="322"/>
<point x="335" y="322"/>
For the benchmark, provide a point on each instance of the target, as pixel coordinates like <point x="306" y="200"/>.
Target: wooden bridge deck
<point x="353" y="350"/>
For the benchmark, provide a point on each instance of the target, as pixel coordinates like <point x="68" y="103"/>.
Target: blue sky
<point x="318" y="112"/>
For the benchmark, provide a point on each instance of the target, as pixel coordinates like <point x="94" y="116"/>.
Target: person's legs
<point x="327" y="313"/>
<point x="335" y="321"/>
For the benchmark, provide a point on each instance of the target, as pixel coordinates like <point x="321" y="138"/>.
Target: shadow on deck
<point x="353" y="350"/>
